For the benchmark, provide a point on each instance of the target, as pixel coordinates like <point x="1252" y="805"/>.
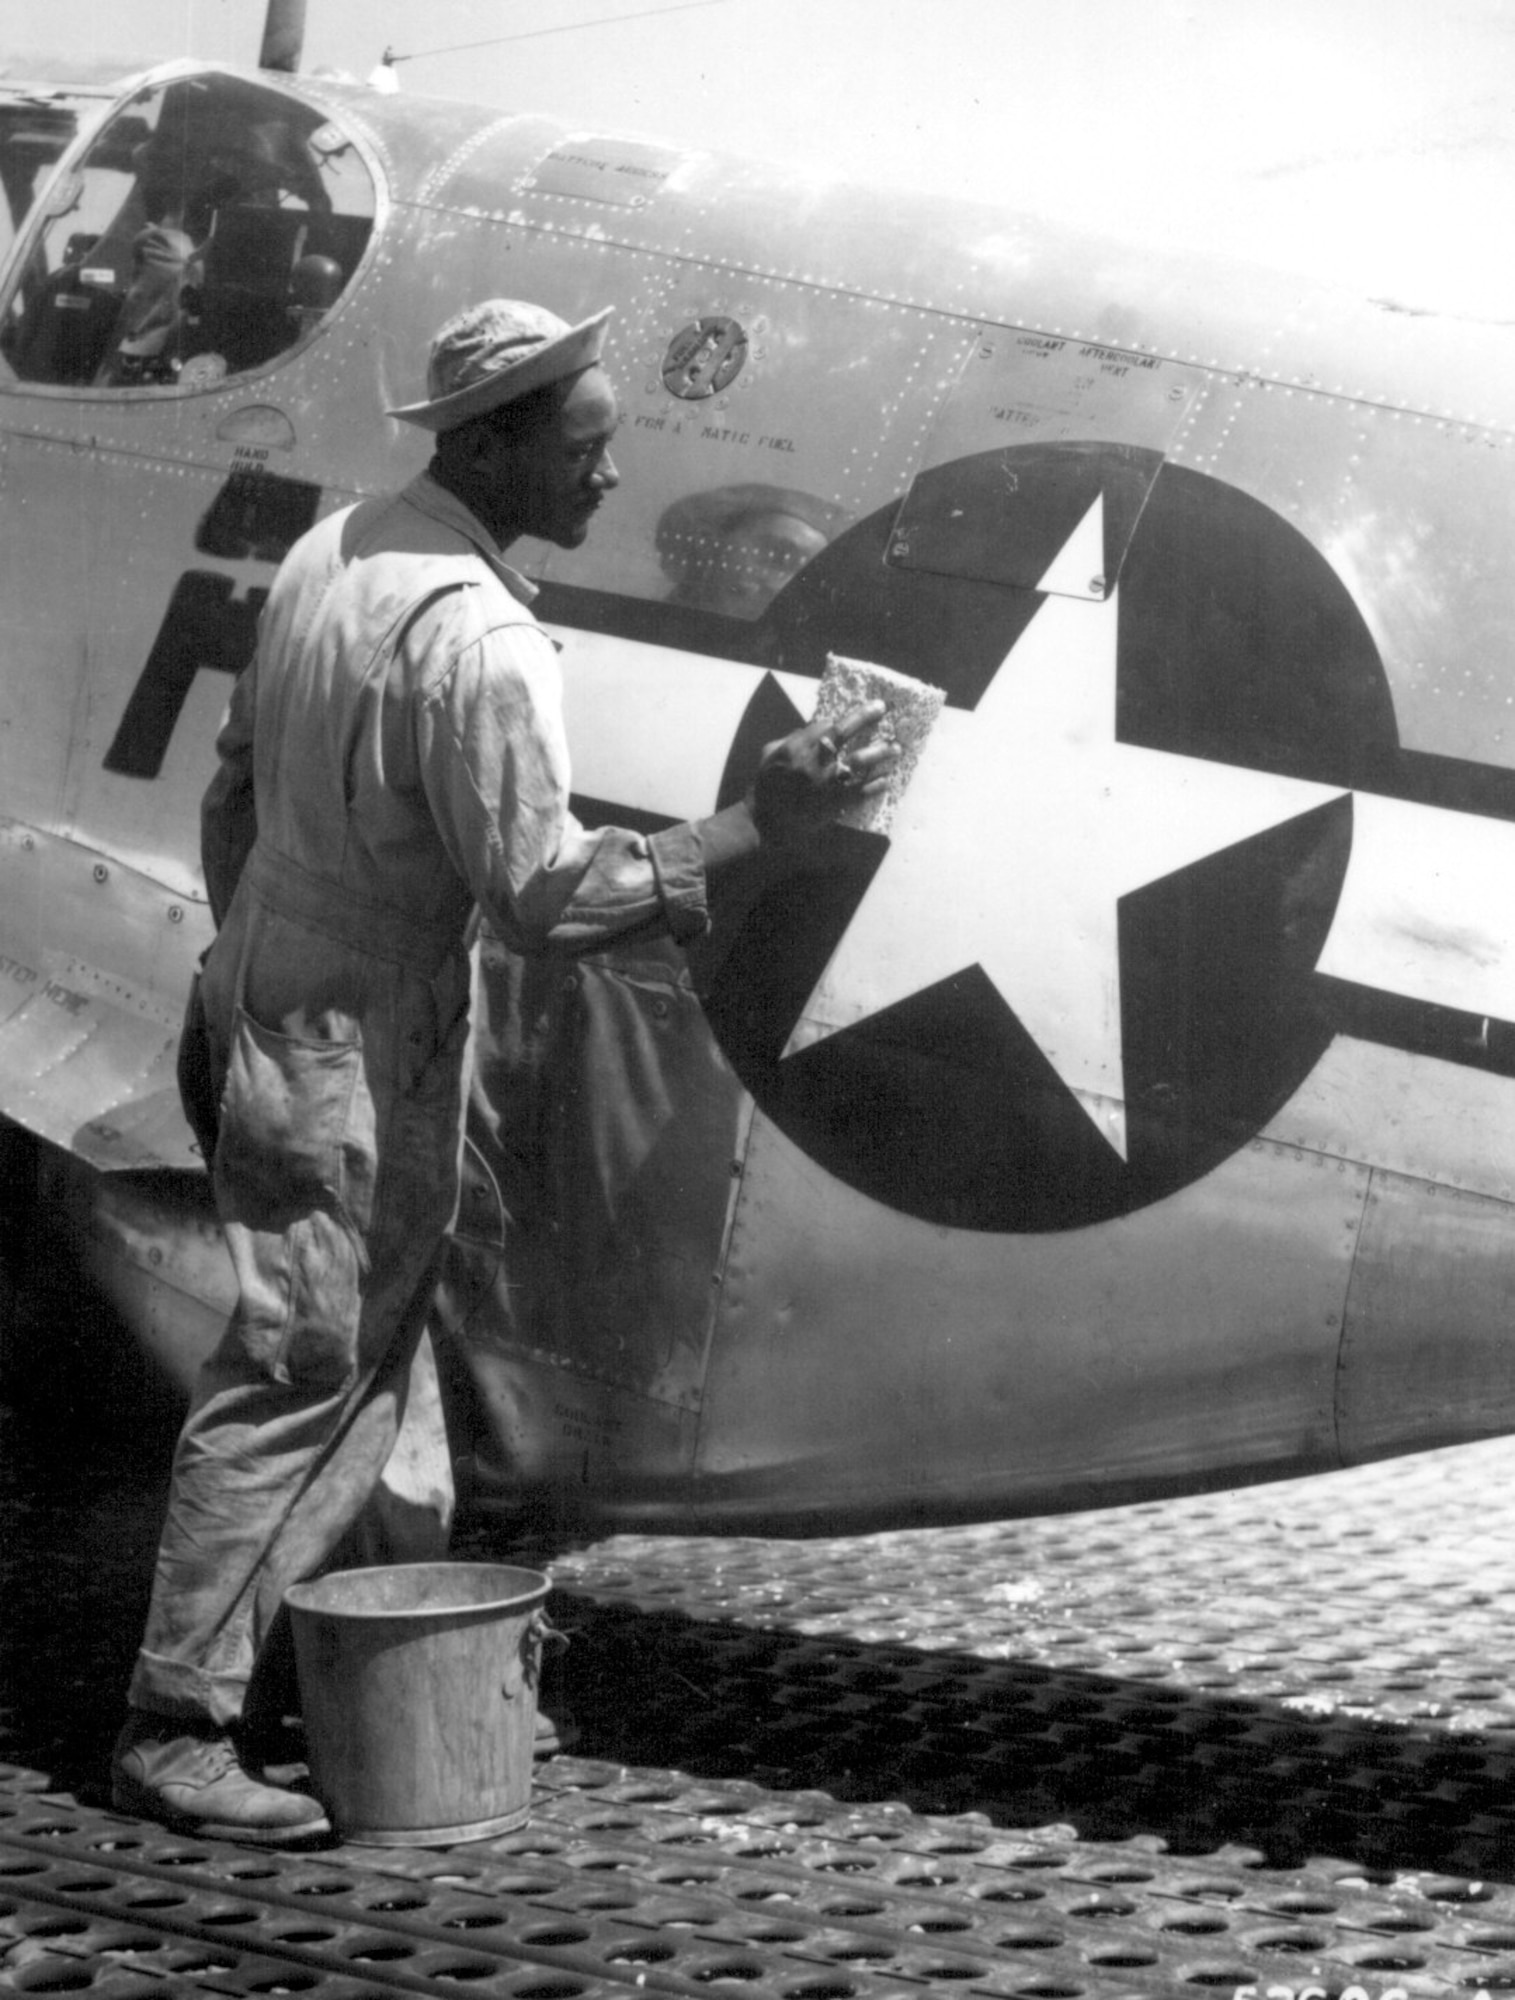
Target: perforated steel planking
<point x="1263" y="1738"/>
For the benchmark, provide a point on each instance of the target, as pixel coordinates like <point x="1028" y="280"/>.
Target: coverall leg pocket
<point x="296" y="1128"/>
<point x="294" y="1173"/>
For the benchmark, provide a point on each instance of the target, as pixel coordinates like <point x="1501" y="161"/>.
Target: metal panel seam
<point x="748" y="1118"/>
<point x="1374" y="1175"/>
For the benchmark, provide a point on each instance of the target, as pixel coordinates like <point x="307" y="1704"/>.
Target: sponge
<point x="912" y="708"/>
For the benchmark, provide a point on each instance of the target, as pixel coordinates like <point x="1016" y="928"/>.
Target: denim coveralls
<point x="393" y="760"/>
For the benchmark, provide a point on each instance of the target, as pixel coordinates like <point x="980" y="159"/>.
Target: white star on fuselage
<point x="1024" y="824"/>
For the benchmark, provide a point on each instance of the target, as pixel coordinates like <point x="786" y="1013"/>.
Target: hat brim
<point x="568" y="353"/>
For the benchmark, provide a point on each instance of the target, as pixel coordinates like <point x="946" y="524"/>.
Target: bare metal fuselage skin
<point x="1141" y="1114"/>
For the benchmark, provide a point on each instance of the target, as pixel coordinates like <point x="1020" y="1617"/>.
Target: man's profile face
<point x="559" y="474"/>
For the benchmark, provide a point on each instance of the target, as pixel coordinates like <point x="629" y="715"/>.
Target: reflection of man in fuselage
<point x="602" y="1105"/>
<point x="733" y="549"/>
<point x="759" y="557"/>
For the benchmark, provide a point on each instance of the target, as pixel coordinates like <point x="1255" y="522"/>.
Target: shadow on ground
<point x="1027" y="1745"/>
<point x="84" y="1448"/>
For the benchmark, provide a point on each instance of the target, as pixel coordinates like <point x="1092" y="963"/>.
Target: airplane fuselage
<point x="1141" y="1112"/>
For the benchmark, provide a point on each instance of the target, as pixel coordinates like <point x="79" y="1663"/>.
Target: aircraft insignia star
<point x="1025" y="823"/>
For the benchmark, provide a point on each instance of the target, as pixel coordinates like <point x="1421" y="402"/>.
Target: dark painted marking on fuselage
<point x="1419" y="1027"/>
<point x="256" y="516"/>
<point x="1237" y="643"/>
<point x="205" y="628"/>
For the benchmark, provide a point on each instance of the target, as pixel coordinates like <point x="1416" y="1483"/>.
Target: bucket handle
<point x="525" y="1670"/>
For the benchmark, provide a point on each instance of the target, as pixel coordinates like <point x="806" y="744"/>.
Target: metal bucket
<point x="418" y="1683"/>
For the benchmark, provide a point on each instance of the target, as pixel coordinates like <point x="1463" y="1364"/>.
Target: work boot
<point x="187" y="1777"/>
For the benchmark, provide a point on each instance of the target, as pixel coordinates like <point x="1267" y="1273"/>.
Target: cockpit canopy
<point x="210" y="226"/>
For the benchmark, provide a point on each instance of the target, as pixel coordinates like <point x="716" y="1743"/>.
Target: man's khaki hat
<point x="496" y="352"/>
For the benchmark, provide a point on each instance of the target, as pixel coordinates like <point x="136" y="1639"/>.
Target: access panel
<point x="1089" y="427"/>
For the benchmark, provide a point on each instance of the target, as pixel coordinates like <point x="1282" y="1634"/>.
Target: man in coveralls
<point x="392" y="763"/>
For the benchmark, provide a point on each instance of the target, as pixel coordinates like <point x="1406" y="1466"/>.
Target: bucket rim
<point x="297" y="1595"/>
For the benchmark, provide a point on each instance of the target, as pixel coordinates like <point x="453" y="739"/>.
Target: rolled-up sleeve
<point x="493" y="759"/>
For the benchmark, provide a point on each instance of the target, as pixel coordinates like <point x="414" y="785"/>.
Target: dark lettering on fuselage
<point x="256" y="516"/>
<point x="65" y="997"/>
<point x="205" y="627"/>
<point x="1114" y="357"/>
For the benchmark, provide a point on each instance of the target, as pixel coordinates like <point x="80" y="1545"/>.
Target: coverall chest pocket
<point x="297" y="1130"/>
